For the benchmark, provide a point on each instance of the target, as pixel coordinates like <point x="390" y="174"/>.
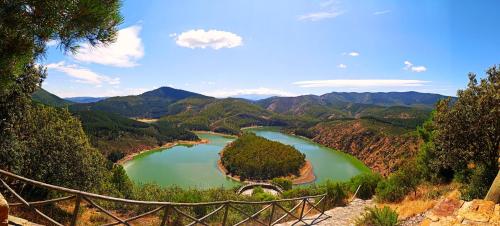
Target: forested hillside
<point x="152" y="104"/>
<point x="380" y="145"/>
<point x="220" y="115"/>
<point x="44" y="97"/>
<point x="114" y="135"/>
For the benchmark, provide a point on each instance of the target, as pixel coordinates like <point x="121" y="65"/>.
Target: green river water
<point x="196" y="165"/>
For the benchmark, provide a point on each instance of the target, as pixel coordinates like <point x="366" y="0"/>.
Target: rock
<point x="447" y="207"/>
<point x="477" y="210"/>
<point x="4" y="211"/>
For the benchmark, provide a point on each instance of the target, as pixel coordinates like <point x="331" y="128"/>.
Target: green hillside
<point x="116" y="136"/>
<point x="220" y="115"/>
<point x="44" y="97"/>
<point x="152" y="104"/>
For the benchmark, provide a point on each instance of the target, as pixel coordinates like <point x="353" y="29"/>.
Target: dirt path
<point x="345" y="215"/>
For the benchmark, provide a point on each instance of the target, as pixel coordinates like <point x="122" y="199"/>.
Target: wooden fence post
<point x="4" y="211"/>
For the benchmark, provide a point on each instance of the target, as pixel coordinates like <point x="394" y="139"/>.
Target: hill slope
<point x="44" y="97"/>
<point x="115" y="135"/>
<point x="381" y="146"/>
<point x="151" y="104"/>
<point x="85" y="100"/>
<point x="220" y="115"/>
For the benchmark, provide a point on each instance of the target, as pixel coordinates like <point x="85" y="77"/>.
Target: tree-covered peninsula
<point x="256" y="158"/>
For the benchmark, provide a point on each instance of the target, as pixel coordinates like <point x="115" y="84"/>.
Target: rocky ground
<point x="452" y="212"/>
<point x="345" y="215"/>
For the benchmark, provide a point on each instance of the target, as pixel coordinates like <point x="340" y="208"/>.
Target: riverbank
<point x="214" y="133"/>
<point x="306" y="173"/>
<point x="164" y="146"/>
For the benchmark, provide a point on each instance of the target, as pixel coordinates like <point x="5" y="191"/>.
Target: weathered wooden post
<point x="4" y="211"/>
<point x="494" y="192"/>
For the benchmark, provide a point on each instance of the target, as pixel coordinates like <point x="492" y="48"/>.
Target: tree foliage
<point x="41" y="142"/>
<point x="254" y="157"/>
<point x="462" y="140"/>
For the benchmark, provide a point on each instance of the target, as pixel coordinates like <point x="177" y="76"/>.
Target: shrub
<point x="378" y="217"/>
<point x="478" y="183"/>
<point x="399" y="183"/>
<point x="368" y="182"/>
<point x="389" y="191"/>
<point x="121" y="181"/>
<point x="335" y="193"/>
<point x="285" y="184"/>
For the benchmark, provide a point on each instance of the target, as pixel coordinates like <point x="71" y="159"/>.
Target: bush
<point x="378" y="217"/>
<point x="335" y="193"/>
<point x="121" y="181"/>
<point x="399" y="184"/>
<point x="368" y="182"/>
<point x="478" y="183"/>
<point x="285" y="184"/>
<point x="389" y="191"/>
<point x="259" y="194"/>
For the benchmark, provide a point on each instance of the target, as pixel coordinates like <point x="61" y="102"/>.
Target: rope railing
<point x="277" y="211"/>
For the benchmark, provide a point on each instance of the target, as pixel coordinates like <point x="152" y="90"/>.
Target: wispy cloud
<point x="353" y="54"/>
<point x="124" y="52"/>
<point x="83" y="75"/>
<point x="256" y="91"/>
<point x="208" y="39"/>
<point x="410" y="67"/>
<point x="329" y="9"/>
<point x="316" y="16"/>
<point x="360" y="83"/>
<point x="343" y="66"/>
<point x="377" y="13"/>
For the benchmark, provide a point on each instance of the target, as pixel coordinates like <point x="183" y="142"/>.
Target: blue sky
<point x="285" y="47"/>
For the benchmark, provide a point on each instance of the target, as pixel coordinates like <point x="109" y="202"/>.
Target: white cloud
<point x="409" y="66"/>
<point x="354" y="54"/>
<point x="208" y="39"/>
<point x="342" y="66"/>
<point x="257" y="91"/>
<point x="52" y="43"/>
<point x="381" y="12"/>
<point x="330" y="9"/>
<point x="360" y="83"/>
<point x="124" y="52"/>
<point x="83" y="75"/>
<point x="317" y="16"/>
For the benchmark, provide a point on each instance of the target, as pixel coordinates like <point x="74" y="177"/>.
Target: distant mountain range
<point x="84" y="100"/>
<point x="202" y="112"/>
<point x="375" y="127"/>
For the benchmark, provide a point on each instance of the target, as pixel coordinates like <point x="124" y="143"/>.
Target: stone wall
<point x="4" y="211"/>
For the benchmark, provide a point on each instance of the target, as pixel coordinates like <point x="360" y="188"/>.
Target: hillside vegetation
<point x="254" y="157"/>
<point x="381" y="146"/>
<point x="114" y="135"/>
<point x="220" y="115"/>
<point x="117" y="136"/>
<point x="152" y="104"/>
<point x="44" y="97"/>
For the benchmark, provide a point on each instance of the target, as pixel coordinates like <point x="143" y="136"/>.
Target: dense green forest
<point x="152" y="104"/>
<point x="116" y="136"/>
<point x="257" y="158"/>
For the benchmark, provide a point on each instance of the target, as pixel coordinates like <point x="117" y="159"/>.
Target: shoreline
<point x="306" y="173"/>
<point x="131" y="156"/>
<point x="214" y="133"/>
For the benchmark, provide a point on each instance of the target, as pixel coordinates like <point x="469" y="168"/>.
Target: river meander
<point x="196" y="165"/>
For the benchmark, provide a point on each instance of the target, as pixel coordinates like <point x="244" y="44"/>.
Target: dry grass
<point x="425" y="198"/>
